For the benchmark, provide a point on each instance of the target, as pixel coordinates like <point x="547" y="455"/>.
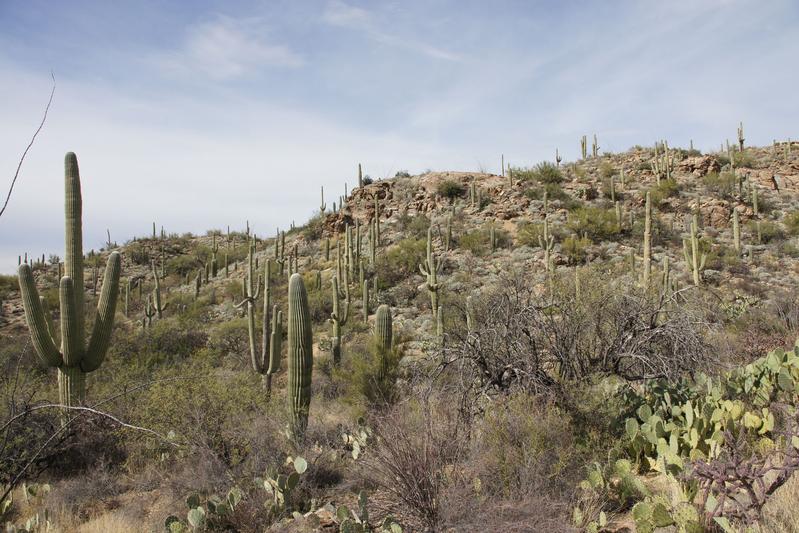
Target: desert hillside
<point x="604" y="344"/>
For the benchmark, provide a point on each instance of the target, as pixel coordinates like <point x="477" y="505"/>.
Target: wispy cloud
<point x="226" y="48"/>
<point x="340" y="14"/>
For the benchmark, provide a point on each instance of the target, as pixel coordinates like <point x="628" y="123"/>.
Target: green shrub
<point x="138" y="253"/>
<point x="547" y="173"/>
<point x="529" y="233"/>
<point x="554" y="193"/>
<point x="769" y="231"/>
<point x="479" y="242"/>
<point x="575" y="248"/>
<point x="791" y="222"/>
<point x="724" y="184"/>
<point x="230" y="337"/>
<point x="414" y="226"/>
<point x="599" y="224"/>
<point x="661" y="191"/>
<point x="8" y="284"/>
<point x="606" y="170"/>
<point x="400" y="261"/>
<point x="187" y="264"/>
<point x="450" y="189"/>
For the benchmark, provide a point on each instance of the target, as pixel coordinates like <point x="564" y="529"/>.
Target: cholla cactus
<point x="75" y="359"/>
<point x="430" y="270"/>
<point x="300" y="357"/>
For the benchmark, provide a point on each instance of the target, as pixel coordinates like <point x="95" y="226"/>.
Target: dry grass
<point x="781" y="513"/>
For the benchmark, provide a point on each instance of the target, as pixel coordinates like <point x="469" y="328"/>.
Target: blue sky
<point x="203" y="114"/>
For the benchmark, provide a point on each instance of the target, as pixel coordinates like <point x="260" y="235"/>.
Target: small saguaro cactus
<point x="383" y="336"/>
<point x="360" y="176"/>
<point x="736" y="231"/>
<point x="558" y="159"/>
<point x="300" y="357"/>
<point x="694" y="257"/>
<point x="741" y="136"/>
<point x="547" y="243"/>
<point x="430" y="270"/>
<point x="338" y="318"/>
<point x="149" y="312"/>
<point x="647" y="272"/>
<point x="214" y="262"/>
<point x="75" y="359"/>
<point x="595" y="147"/>
<point x="159" y="308"/>
<point x="323" y="205"/>
<point x="584" y="147"/>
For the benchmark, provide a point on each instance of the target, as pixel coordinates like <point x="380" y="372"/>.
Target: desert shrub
<point x="554" y="193"/>
<point x="205" y="409"/>
<point x="8" y="284"/>
<point x="185" y="264"/>
<point x="400" y="261"/>
<point x="416" y="451"/>
<point x="479" y="242"/>
<point x="524" y="446"/>
<point x="544" y="173"/>
<point x="575" y="248"/>
<point x="769" y="231"/>
<point x="597" y="223"/>
<point x="362" y="379"/>
<point x="661" y="191"/>
<point x="169" y="341"/>
<point x="414" y="226"/>
<point x="450" y="190"/>
<point x="523" y="340"/>
<point x="529" y="233"/>
<point x="231" y="337"/>
<point x="312" y="230"/>
<point x="138" y="252"/>
<point x="791" y="222"/>
<point x="606" y="170"/>
<point x="743" y="159"/>
<point x="724" y="184"/>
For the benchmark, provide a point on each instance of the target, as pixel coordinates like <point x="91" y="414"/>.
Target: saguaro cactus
<point x="736" y="231"/>
<point x="300" y="356"/>
<point x="159" y="309"/>
<point x="647" y="241"/>
<point x="265" y="358"/>
<point x="694" y="258"/>
<point x="75" y="359"/>
<point x="383" y="336"/>
<point x="430" y="270"/>
<point x="338" y="318"/>
<point x="323" y="205"/>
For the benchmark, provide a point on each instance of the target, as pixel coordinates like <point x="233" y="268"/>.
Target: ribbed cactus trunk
<point x="75" y="358"/>
<point x="647" y="241"/>
<point x="383" y="336"/>
<point x="300" y="356"/>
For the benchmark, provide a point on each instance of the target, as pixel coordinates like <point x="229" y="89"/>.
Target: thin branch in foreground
<point x="33" y="139"/>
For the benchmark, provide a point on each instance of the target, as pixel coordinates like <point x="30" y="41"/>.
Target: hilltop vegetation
<point x="585" y="346"/>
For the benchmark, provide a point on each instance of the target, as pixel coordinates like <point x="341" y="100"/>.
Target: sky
<point x="205" y="114"/>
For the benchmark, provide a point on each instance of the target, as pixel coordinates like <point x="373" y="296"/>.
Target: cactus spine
<point x="75" y="359"/>
<point x="430" y="270"/>
<point x="339" y="318"/>
<point x="647" y="241"/>
<point x="300" y="357"/>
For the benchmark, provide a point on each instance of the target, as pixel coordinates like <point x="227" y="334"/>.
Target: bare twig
<point x="22" y="159"/>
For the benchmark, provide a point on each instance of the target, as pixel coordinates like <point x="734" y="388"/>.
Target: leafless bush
<point x="414" y="457"/>
<point x="530" y="340"/>
<point x="740" y="481"/>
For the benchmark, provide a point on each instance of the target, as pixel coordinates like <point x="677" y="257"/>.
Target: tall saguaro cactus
<point x="74" y="359"/>
<point x="430" y="270"/>
<point x="300" y="356"/>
